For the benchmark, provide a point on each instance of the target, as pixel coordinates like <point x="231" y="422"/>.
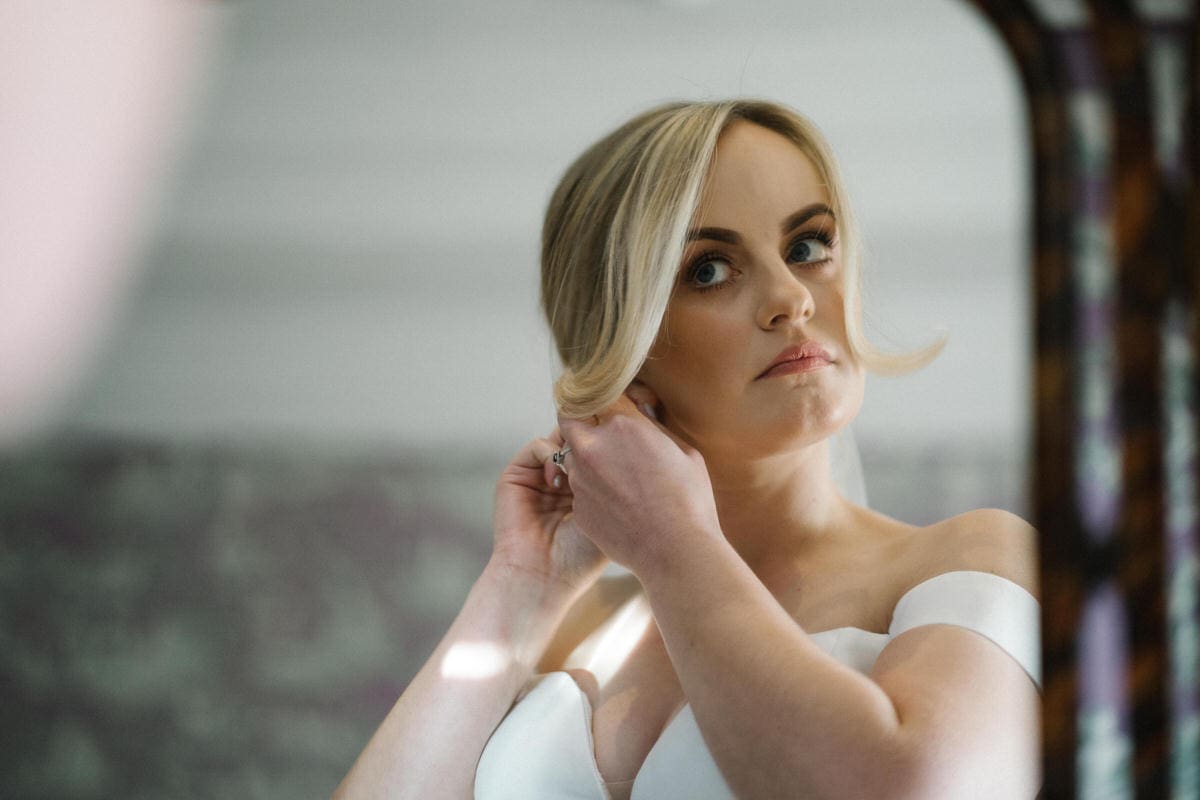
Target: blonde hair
<point x="615" y="232"/>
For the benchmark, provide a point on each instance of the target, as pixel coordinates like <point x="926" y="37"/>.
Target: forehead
<point x="757" y="173"/>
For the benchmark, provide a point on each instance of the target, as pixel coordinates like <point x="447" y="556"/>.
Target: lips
<point x="800" y="358"/>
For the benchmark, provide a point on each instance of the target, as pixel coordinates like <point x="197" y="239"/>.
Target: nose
<point x="786" y="298"/>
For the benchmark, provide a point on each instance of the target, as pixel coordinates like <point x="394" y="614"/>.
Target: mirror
<point x="336" y="343"/>
<point x="351" y="247"/>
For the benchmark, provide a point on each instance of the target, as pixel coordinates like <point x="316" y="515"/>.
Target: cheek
<point x="854" y="394"/>
<point x="833" y="304"/>
<point x="696" y="360"/>
<point x="705" y="345"/>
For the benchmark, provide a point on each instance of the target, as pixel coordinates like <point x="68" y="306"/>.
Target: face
<point x="761" y="284"/>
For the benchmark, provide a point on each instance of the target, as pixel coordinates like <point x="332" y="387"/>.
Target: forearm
<point x="430" y="741"/>
<point x="781" y="717"/>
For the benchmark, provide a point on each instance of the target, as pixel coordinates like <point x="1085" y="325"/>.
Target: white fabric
<point x="543" y="749"/>
<point x="549" y="735"/>
<point x="987" y="604"/>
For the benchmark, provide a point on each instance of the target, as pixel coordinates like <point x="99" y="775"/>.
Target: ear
<point x="644" y="398"/>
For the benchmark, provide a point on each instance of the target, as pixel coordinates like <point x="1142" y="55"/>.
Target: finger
<point x="556" y="476"/>
<point x="543" y="451"/>
<point x="683" y="445"/>
<point x="625" y="405"/>
<point x="644" y="398"/>
<point x="572" y="430"/>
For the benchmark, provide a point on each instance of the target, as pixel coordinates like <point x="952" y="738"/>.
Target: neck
<point x="780" y="507"/>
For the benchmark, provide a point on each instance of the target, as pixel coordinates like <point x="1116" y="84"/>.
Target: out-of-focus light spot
<point x="474" y="660"/>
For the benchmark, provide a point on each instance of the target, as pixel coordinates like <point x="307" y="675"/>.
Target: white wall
<point x="349" y="250"/>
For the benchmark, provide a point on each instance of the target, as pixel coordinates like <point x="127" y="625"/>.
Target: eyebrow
<point x="791" y="223"/>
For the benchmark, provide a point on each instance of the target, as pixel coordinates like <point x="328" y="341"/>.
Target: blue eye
<point x="810" y="250"/>
<point x="710" y="272"/>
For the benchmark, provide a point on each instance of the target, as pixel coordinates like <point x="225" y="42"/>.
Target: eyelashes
<point x="713" y="269"/>
<point x="709" y="264"/>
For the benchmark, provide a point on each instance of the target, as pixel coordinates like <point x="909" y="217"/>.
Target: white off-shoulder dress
<point x="543" y="748"/>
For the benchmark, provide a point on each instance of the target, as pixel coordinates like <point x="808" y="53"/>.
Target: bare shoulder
<point x="984" y="540"/>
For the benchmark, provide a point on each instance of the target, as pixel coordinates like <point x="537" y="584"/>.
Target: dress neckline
<point x="588" y="711"/>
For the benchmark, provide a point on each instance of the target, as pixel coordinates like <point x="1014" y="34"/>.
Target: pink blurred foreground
<point x="92" y="100"/>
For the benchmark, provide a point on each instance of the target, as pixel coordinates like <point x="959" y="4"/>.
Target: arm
<point x="945" y="712"/>
<point x="429" y="743"/>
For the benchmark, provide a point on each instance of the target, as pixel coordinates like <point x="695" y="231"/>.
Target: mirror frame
<point x="1116" y="275"/>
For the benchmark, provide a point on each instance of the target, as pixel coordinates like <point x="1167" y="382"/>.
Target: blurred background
<point x="246" y="518"/>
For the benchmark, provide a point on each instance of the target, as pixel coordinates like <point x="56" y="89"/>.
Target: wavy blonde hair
<point x="615" y="232"/>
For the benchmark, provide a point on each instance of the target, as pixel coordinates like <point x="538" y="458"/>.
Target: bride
<point x="773" y="638"/>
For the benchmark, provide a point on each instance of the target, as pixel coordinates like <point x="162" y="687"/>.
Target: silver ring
<point x="560" y="458"/>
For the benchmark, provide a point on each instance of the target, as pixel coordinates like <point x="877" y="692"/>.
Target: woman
<point x="699" y="277"/>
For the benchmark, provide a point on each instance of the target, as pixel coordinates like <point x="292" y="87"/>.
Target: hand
<point x="534" y="531"/>
<point x="639" y="491"/>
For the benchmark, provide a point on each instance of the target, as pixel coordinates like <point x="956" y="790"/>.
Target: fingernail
<point x="558" y="481"/>
<point x="648" y="410"/>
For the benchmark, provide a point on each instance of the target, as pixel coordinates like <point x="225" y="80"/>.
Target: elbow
<point x="942" y="766"/>
<point x="914" y="783"/>
<point x="905" y="784"/>
<point x="931" y="776"/>
<point x="912" y="775"/>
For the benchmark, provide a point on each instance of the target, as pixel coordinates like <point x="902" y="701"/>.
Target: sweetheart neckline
<point x="589" y="711"/>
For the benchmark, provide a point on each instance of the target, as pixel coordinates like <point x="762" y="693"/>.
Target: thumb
<point x="644" y="398"/>
<point x="647" y="402"/>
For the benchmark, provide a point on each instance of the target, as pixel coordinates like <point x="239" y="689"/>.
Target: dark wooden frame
<point x="1096" y="534"/>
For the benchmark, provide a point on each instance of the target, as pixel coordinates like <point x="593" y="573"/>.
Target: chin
<point x="786" y="435"/>
<point x="814" y="425"/>
<point x="775" y="429"/>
